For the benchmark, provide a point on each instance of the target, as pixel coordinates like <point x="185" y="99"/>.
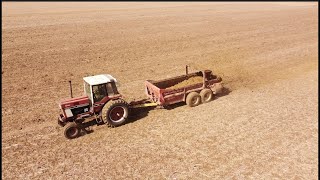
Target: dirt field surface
<point x="266" y="127"/>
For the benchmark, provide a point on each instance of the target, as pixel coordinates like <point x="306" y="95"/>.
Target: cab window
<point x="99" y="92"/>
<point x="87" y="90"/>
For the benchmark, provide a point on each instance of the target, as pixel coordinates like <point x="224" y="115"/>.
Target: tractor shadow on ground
<point x="134" y="115"/>
<point x="87" y="128"/>
<point x="139" y="113"/>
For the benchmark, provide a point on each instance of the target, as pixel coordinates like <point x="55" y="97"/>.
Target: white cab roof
<point x="99" y="79"/>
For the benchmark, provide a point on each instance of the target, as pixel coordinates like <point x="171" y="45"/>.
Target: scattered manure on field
<point x="187" y="82"/>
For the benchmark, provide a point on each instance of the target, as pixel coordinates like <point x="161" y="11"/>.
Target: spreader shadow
<point x="225" y="91"/>
<point x="172" y="106"/>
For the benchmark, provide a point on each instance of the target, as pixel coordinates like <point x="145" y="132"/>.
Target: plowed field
<point x="266" y="53"/>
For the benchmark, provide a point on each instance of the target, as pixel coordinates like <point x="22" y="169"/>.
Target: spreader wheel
<point x="206" y="95"/>
<point x="115" y="113"/>
<point x="193" y="99"/>
<point x="71" y="130"/>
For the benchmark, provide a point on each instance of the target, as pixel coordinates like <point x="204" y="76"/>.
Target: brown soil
<point x="265" y="52"/>
<point x="187" y="82"/>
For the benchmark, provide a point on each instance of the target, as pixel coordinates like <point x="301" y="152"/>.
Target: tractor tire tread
<point x="203" y="94"/>
<point x="107" y="107"/>
<point x="189" y="98"/>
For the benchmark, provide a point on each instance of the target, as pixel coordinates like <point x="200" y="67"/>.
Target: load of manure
<point x="190" y="81"/>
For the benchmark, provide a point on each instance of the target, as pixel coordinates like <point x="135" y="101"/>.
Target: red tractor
<point x="101" y="102"/>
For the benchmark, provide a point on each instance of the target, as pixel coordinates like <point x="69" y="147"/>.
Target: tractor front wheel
<point x="115" y="113"/>
<point x="71" y="130"/>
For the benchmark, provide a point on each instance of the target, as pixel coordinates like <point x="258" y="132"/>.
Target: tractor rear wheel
<point x="115" y="113"/>
<point x="206" y="95"/>
<point x="71" y="130"/>
<point x="193" y="99"/>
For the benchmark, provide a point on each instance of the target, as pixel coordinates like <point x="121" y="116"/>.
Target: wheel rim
<point x="117" y="114"/>
<point x="207" y="97"/>
<point x="195" y="100"/>
<point x="72" y="132"/>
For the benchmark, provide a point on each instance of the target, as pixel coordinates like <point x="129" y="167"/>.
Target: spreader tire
<point x="206" y="95"/>
<point x="115" y="113"/>
<point x="71" y="130"/>
<point x="193" y="99"/>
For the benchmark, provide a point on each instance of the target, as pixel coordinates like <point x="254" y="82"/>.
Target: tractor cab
<point x="98" y="87"/>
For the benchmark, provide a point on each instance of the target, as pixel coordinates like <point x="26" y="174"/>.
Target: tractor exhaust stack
<point x="187" y="69"/>
<point x="70" y="89"/>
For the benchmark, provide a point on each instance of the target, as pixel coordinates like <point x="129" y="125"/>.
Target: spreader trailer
<point x="103" y="103"/>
